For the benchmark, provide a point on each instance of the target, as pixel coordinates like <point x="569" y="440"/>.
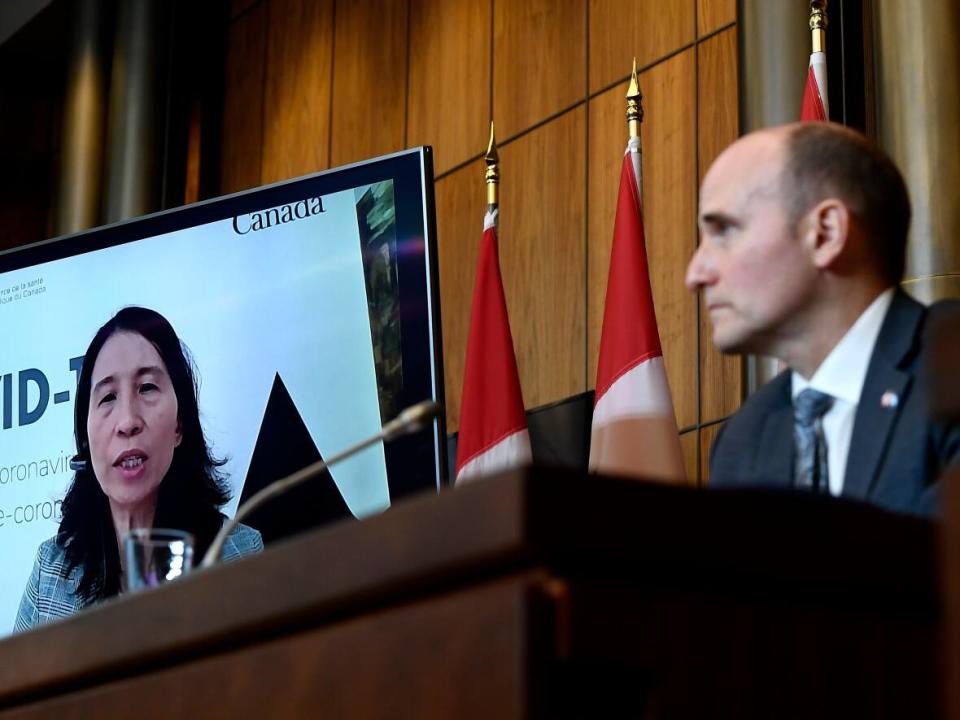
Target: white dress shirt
<point x="841" y="375"/>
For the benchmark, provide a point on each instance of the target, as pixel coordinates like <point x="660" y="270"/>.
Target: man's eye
<point x="109" y="397"/>
<point x="721" y="232"/>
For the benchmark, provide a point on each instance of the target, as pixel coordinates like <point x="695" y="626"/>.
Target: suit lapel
<point x="774" y="459"/>
<point x="875" y="420"/>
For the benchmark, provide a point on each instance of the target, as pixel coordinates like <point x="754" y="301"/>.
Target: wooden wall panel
<point x="669" y="172"/>
<point x="722" y="382"/>
<point x="623" y="29"/>
<point x="689" y="444"/>
<point x="713" y="14"/>
<point x="461" y="202"/>
<point x="539" y="61"/>
<point x="669" y="196"/>
<point x="526" y="65"/>
<point x="369" y="79"/>
<point x="718" y="126"/>
<point x="449" y="99"/>
<point x="707" y="436"/>
<point x="243" y="102"/>
<point x="296" y="116"/>
<point x="608" y="139"/>
<point x="542" y="225"/>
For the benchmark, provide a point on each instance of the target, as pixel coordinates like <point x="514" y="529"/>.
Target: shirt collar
<point x="844" y="370"/>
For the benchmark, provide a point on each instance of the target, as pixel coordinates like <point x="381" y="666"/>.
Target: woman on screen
<point x="145" y="463"/>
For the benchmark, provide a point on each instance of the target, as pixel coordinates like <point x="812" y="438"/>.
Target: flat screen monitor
<point x="310" y="309"/>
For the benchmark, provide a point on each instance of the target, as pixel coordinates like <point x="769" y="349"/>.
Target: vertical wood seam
<point x="586" y="200"/>
<point x="265" y="71"/>
<point x="333" y="60"/>
<point x="167" y="109"/>
<point x="406" y="92"/>
<point x="696" y="204"/>
<point x="493" y="19"/>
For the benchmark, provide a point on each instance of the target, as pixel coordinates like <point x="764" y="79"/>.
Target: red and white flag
<point x="634" y="427"/>
<point x="493" y="423"/>
<point x="815" y="105"/>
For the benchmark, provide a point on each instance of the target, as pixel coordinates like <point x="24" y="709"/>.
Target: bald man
<point x="803" y="237"/>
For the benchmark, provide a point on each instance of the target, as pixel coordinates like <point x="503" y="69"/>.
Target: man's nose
<point x="700" y="271"/>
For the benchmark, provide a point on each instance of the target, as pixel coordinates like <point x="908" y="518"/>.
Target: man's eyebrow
<point x="717" y="218"/>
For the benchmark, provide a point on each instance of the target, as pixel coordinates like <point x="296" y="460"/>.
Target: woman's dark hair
<point x="191" y="493"/>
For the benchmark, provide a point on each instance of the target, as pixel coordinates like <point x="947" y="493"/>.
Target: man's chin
<point x="730" y="344"/>
<point x="723" y="342"/>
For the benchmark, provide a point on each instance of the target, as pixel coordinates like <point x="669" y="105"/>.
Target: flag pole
<point x="634" y="104"/>
<point x="634" y="426"/>
<point x="493" y="424"/>
<point x="816" y="102"/>
<point x="492" y="158"/>
<point x="818" y="25"/>
<point x="634" y="120"/>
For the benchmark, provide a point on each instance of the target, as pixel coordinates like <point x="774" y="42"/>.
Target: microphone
<point x="413" y="419"/>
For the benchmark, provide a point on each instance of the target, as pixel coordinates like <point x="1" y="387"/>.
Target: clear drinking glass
<point x="156" y="556"/>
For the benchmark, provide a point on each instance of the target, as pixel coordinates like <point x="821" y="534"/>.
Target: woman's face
<point x="132" y="422"/>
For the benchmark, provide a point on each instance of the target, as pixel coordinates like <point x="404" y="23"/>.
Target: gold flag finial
<point x="492" y="159"/>
<point x="818" y="25"/>
<point x="634" y="104"/>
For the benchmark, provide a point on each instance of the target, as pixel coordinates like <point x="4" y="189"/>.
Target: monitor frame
<point x="418" y="160"/>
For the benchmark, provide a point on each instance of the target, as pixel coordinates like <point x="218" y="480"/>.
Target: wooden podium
<point x="534" y="594"/>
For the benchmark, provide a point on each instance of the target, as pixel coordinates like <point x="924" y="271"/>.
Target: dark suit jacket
<point x="896" y="453"/>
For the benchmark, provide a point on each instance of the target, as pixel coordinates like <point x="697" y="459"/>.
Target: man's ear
<point x="827" y="231"/>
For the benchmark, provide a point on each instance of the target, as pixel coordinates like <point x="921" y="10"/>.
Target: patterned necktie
<point x="810" y="468"/>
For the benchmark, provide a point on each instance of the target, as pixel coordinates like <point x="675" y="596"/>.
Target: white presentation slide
<point x="252" y="299"/>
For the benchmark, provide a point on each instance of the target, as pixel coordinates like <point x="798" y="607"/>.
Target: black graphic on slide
<point x="283" y="447"/>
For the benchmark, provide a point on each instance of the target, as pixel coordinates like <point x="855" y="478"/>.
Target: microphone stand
<point x="411" y="420"/>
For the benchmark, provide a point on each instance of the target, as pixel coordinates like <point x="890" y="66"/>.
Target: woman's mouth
<point x="131" y="464"/>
